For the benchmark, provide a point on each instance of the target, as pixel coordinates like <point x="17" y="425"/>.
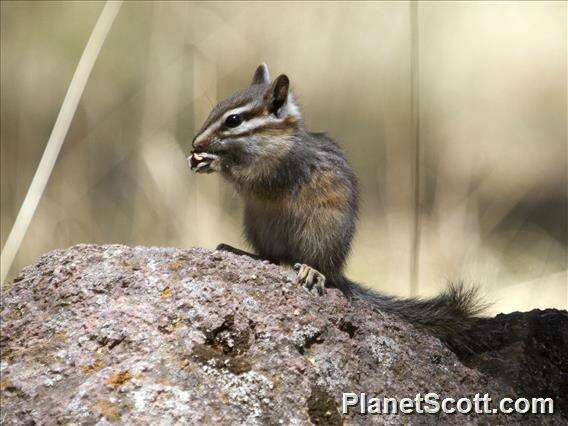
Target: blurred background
<point x="453" y="114"/>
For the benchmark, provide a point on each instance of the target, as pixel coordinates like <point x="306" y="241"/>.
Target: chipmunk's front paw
<point x="310" y="279"/>
<point x="202" y="162"/>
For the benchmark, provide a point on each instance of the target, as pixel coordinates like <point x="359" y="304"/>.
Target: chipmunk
<point x="301" y="200"/>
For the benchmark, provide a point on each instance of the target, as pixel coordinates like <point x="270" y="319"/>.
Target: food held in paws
<point x="202" y="162"/>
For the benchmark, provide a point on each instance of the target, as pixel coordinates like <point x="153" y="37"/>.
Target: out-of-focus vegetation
<point x="490" y="90"/>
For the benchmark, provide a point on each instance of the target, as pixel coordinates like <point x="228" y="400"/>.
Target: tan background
<point x="479" y="89"/>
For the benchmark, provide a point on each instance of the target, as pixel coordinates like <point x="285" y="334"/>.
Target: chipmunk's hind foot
<point x="310" y="279"/>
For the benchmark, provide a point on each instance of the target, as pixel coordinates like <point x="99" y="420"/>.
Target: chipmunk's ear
<point x="278" y="94"/>
<point x="261" y="75"/>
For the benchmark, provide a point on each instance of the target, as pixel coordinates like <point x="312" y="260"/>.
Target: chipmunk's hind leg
<point x="310" y="279"/>
<point x="239" y="252"/>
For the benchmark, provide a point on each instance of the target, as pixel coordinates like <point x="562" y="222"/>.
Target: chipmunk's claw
<point x="310" y="279"/>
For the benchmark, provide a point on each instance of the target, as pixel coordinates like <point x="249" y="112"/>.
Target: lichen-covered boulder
<point x="105" y="334"/>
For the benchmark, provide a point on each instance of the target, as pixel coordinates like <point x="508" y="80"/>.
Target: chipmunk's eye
<point x="233" y="120"/>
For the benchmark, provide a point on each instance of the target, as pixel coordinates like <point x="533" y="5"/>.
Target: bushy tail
<point x="447" y="316"/>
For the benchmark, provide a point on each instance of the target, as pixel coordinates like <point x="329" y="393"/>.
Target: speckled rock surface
<point x="106" y="334"/>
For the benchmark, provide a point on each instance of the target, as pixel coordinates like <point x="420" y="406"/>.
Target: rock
<point x="107" y="334"/>
<point x="527" y="350"/>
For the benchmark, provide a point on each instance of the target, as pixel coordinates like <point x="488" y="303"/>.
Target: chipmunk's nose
<point x="200" y="143"/>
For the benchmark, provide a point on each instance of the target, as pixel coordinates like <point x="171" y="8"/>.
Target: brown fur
<point x="325" y="191"/>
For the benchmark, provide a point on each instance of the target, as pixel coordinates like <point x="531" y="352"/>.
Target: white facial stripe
<point x="289" y="109"/>
<point x="252" y="124"/>
<point x="213" y="127"/>
<point x="207" y="132"/>
<point x="238" y="110"/>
